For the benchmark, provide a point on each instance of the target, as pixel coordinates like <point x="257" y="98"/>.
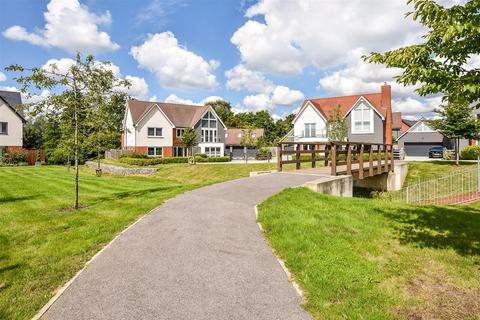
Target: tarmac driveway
<point x="198" y="256"/>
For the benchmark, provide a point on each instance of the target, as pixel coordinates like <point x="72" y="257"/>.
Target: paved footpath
<point x="198" y="256"/>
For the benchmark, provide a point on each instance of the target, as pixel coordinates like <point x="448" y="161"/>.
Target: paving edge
<point x="291" y="279"/>
<point x="62" y="289"/>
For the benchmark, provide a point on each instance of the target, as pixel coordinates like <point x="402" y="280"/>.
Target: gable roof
<point x="415" y="124"/>
<point x="180" y="115"/>
<point x="12" y="99"/>
<point x="327" y="105"/>
<point x="232" y="137"/>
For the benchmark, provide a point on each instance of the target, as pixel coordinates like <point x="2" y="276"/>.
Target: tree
<point x="439" y="65"/>
<point x="79" y="88"/>
<point x="456" y="122"/>
<point x="248" y="141"/>
<point x="189" y="140"/>
<point x="337" y="127"/>
<point x="222" y="108"/>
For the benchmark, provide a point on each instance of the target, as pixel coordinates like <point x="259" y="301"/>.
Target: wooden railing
<point x="352" y="158"/>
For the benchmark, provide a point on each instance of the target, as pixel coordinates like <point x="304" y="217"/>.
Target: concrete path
<point x="198" y="256"/>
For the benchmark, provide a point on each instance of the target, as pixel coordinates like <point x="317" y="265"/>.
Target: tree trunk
<point x="75" y="202"/>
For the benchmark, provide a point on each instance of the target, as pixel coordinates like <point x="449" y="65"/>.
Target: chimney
<point x="386" y="102"/>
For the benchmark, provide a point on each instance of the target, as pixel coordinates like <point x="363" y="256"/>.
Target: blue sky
<point x="267" y="54"/>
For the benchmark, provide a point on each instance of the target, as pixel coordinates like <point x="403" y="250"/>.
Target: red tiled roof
<point x="396" y="120"/>
<point x="327" y="105"/>
<point x="232" y="137"/>
<point x="181" y="115"/>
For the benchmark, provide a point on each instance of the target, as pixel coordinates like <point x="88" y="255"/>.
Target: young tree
<point x="247" y="141"/>
<point x="456" y="122"/>
<point x="440" y="64"/>
<point x="337" y="127"/>
<point x="189" y="141"/>
<point x="79" y="87"/>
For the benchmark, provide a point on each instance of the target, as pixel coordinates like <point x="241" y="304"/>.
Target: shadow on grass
<point x="13" y="199"/>
<point x="136" y="193"/>
<point x="457" y="228"/>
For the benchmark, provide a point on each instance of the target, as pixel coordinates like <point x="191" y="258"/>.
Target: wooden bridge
<point x="360" y="160"/>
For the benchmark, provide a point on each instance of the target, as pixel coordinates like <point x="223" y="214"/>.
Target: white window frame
<point x="6" y="128"/>
<point x="422" y="127"/>
<point x="157" y="151"/>
<point x="209" y="135"/>
<point x="155" y="132"/>
<point x="181" y="131"/>
<point x="213" y="151"/>
<point x="354" y="114"/>
<point x="176" y="151"/>
<point x="309" y="130"/>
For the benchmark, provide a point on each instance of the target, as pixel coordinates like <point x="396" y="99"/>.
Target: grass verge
<point x="43" y="244"/>
<point x="369" y="259"/>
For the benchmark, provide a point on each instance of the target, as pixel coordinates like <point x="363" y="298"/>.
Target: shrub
<point x="212" y="159"/>
<point x="470" y="152"/>
<point x="57" y="156"/>
<point x="16" y="157"/>
<point x="201" y="155"/>
<point x="134" y="155"/>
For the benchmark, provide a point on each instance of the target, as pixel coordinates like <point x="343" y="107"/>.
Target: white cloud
<point x="417" y="107"/>
<point x="175" y="99"/>
<point x="3" y="77"/>
<point x="285" y="96"/>
<point x="258" y="102"/>
<point x="173" y="64"/>
<point x="300" y="33"/>
<point x="240" y="77"/>
<point x="70" y="26"/>
<point x="138" y="86"/>
<point x="26" y="97"/>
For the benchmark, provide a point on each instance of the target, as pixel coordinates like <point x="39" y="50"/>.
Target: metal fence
<point x="458" y="187"/>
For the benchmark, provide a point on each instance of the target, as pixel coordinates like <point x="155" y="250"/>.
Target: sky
<point x="259" y="55"/>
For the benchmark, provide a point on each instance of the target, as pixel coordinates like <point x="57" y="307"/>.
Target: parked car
<point x="435" y="152"/>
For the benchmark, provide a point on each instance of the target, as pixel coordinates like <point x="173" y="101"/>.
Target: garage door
<point x="418" y="149"/>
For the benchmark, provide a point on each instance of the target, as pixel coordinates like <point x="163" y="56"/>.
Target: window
<point x="362" y="119"/>
<point x="3" y="127"/>
<point x="310" y="129"/>
<point x="180" y="132"/>
<point x="154" y="132"/>
<point x="179" y="152"/>
<point x="209" y="120"/>
<point x="155" y="152"/>
<point x="213" y="151"/>
<point x="209" y="135"/>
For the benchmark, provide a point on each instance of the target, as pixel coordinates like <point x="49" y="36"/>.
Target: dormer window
<point x="3" y="127"/>
<point x="362" y="119"/>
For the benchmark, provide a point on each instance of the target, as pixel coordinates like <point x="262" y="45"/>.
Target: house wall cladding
<point x="424" y="137"/>
<point x="14" y="138"/>
<point x="375" y="137"/>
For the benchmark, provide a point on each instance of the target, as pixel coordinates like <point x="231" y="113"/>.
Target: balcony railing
<point x="319" y="135"/>
<point x="211" y="140"/>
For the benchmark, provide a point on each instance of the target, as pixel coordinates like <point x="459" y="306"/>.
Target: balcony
<point x="320" y="135"/>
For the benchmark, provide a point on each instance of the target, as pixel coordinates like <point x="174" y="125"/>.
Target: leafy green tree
<point x="456" y="122"/>
<point x="222" y="108"/>
<point x="439" y="65"/>
<point x="33" y="133"/>
<point x="74" y="94"/>
<point x="189" y="140"/>
<point x="248" y="141"/>
<point x="337" y="127"/>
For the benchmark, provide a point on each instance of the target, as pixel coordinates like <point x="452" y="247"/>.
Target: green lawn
<point x="369" y="259"/>
<point x="42" y="245"/>
<point x="431" y="169"/>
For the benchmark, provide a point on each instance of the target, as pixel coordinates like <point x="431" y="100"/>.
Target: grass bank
<point x="369" y="259"/>
<point x="43" y="244"/>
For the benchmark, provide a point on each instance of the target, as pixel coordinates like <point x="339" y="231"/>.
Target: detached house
<point x="11" y="122"/>
<point x="155" y="128"/>
<point x="369" y="118"/>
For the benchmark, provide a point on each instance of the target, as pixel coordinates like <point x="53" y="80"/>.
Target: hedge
<point x="470" y="152"/>
<point x="212" y="159"/>
<point x="153" y="161"/>
<point x="134" y="155"/>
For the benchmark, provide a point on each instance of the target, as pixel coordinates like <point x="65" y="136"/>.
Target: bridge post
<point x="349" y="159"/>
<point x="297" y="156"/>
<point x="334" y="159"/>
<point x="370" y="162"/>
<point x="379" y="159"/>
<point x="360" y="163"/>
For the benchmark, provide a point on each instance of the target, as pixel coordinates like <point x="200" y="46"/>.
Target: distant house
<point x="156" y="128"/>
<point x="11" y="122"/>
<point x="233" y="146"/>
<point x="420" y="137"/>
<point x="399" y="125"/>
<point x="369" y="118"/>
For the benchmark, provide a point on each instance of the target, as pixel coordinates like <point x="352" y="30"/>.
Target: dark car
<point x="435" y="152"/>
